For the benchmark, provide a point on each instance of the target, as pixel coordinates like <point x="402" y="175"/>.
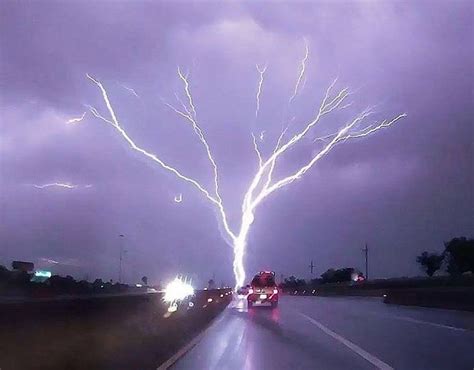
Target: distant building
<point x="23" y="266"/>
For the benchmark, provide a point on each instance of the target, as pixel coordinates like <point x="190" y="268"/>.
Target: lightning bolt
<point x="187" y="90"/>
<point x="302" y="72"/>
<point x="55" y="184"/>
<point x="189" y="114"/>
<point x="262" y="185"/>
<point x="130" y="90"/>
<point x="114" y="122"/>
<point x="60" y="185"/>
<point x="178" y="198"/>
<point x="262" y="134"/>
<point x="255" y="146"/>
<point x="76" y="119"/>
<point x="261" y="73"/>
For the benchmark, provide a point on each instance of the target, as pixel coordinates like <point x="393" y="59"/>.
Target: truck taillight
<point x="250" y="291"/>
<point x="275" y="291"/>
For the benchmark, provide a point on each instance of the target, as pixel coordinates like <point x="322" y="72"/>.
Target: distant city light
<point x="43" y="274"/>
<point x="40" y="276"/>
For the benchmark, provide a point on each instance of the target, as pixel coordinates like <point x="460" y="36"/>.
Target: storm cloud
<point x="403" y="190"/>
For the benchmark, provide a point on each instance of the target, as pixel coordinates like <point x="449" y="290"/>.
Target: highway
<point x="334" y="333"/>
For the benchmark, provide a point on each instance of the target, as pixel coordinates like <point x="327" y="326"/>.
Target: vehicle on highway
<point x="263" y="290"/>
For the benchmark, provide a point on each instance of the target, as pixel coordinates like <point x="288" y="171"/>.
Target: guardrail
<point x="102" y="332"/>
<point x="381" y="287"/>
<point x="455" y="298"/>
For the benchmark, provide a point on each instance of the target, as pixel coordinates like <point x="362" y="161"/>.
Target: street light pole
<point x="366" y="251"/>
<point x="120" y="257"/>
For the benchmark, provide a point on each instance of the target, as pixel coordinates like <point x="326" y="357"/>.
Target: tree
<point x="262" y="184"/>
<point x="4" y="274"/>
<point x="430" y="262"/>
<point x="293" y="283"/>
<point x="340" y="275"/>
<point x="211" y="284"/>
<point x="460" y="255"/>
<point x="145" y="280"/>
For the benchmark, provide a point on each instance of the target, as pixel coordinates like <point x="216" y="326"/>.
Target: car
<point x="263" y="290"/>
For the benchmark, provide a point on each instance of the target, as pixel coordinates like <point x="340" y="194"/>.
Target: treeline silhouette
<point x="19" y="283"/>
<point x="458" y="258"/>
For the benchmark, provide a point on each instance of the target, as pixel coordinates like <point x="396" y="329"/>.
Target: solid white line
<point x="409" y="319"/>
<point x="188" y="347"/>
<point x="379" y="364"/>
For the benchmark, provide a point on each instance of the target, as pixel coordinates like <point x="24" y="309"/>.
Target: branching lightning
<point x="261" y="72"/>
<point x="302" y="72"/>
<point x="178" y="198"/>
<point x="262" y="184"/>
<point x="114" y="122"/>
<point x="130" y="90"/>
<point x="255" y="147"/>
<point x="65" y="185"/>
<point x="55" y="184"/>
<point x="188" y="92"/>
<point x="76" y="119"/>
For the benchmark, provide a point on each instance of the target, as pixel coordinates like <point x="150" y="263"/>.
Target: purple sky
<point x="403" y="190"/>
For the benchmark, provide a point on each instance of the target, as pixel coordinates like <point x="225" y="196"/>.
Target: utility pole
<point x="311" y="267"/>
<point x="120" y="258"/>
<point x="366" y="251"/>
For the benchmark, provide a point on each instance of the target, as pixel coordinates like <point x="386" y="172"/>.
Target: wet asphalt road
<point x="334" y="333"/>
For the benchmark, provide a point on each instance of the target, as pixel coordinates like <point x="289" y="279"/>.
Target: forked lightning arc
<point x="262" y="183"/>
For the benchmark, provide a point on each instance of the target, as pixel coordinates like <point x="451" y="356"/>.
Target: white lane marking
<point x="188" y="347"/>
<point x="416" y="321"/>
<point x="379" y="364"/>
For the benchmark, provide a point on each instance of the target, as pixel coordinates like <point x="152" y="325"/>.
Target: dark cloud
<point x="404" y="190"/>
